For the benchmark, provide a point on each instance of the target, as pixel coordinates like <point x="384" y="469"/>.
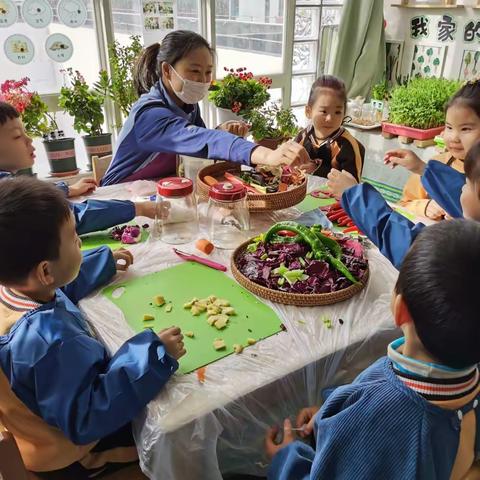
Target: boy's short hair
<point x="31" y="215"/>
<point x="7" y="112"/>
<point x="439" y="282"/>
<point x="472" y="163"/>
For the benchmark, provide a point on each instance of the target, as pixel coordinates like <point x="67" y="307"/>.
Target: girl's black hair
<point x="472" y="163"/>
<point x="469" y="96"/>
<point x="148" y="68"/>
<point x="328" y="81"/>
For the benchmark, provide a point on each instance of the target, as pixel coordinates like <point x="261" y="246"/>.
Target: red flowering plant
<point x="239" y="91"/>
<point x="32" y="109"/>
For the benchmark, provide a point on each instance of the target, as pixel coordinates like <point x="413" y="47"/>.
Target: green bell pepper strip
<point x="315" y="241"/>
<point x="330" y="243"/>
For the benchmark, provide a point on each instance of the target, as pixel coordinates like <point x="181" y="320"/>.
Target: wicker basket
<point x="256" y="202"/>
<point x="299" y="299"/>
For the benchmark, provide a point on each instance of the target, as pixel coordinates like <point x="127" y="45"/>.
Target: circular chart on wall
<point x="37" y="13"/>
<point x="59" y="47"/>
<point x="72" y="13"/>
<point x="8" y="13"/>
<point x="19" y="49"/>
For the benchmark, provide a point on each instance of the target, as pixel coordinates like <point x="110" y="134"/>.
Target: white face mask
<point x="192" y="92"/>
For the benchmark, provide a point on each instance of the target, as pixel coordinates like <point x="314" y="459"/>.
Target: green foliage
<point x="239" y="91"/>
<point x="119" y="86"/>
<point x="36" y="119"/>
<point x="421" y="102"/>
<point x="83" y="104"/>
<point x="380" y="91"/>
<point x="272" y="122"/>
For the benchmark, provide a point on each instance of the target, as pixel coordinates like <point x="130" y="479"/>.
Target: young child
<point x="48" y="353"/>
<point x="17" y="153"/>
<point x="462" y="129"/>
<point x="171" y="79"/>
<point x="327" y="142"/>
<point x="414" y="413"/>
<point x="390" y="231"/>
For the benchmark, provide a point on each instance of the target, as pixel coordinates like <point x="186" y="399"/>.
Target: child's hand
<point x="83" y="187"/>
<point x="123" y="259"/>
<point x="172" y="339"/>
<point x="435" y="211"/>
<point x="306" y="419"/>
<point x="235" y="127"/>
<point x="338" y="182"/>
<point x="271" y="448"/>
<point x="406" y="159"/>
<point x="152" y="209"/>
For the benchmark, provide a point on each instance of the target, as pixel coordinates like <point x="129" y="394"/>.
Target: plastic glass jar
<point x="228" y="215"/>
<point x="179" y="222"/>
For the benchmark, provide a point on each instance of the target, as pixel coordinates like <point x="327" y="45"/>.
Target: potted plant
<point x="85" y="105"/>
<point x="119" y="85"/>
<point x="379" y="99"/>
<point x="272" y="125"/>
<point x="238" y="93"/>
<point x="416" y="110"/>
<point x="38" y="122"/>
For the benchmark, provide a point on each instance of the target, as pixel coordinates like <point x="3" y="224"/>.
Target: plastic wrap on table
<point x="196" y="430"/>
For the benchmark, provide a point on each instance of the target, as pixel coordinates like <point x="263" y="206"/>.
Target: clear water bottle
<point x="228" y="215"/>
<point x="177" y="220"/>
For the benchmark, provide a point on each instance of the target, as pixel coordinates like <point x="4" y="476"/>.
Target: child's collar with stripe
<point x="15" y="301"/>
<point x="431" y="381"/>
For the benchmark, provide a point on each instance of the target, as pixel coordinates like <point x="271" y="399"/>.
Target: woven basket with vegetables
<point x="298" y="265"/>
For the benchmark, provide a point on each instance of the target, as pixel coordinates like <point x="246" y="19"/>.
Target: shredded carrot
<point x="201" y="374"/>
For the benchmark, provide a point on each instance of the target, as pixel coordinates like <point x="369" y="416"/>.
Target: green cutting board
<point x="179" y="285"/>
<point x="311" y="203"/>
<point x="100" y="239"/>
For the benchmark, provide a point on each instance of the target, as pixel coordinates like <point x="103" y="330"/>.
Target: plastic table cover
<point x="193" y="430"/>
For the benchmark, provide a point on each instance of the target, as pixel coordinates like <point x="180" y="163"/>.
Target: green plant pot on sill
<point x="61" y="156"/>
<point x="97" y="145"/>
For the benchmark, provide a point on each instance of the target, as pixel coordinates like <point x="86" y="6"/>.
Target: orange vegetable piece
<point x="201" y="374"/>
<point x="283" y="187"/>
<point x="210" y="180"/>
<point x="204" y="246"/>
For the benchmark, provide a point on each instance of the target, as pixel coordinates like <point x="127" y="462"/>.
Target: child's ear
<point x="308" y="111"/>
<point x="401" y="314"/>
<point x="43" y="273"/>
<point x="165" y="70"/>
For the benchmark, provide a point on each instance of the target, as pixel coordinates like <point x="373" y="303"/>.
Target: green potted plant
<point x="238" y="93"/>
<point x="38" y="122"/>
<point x="119" y="85"/>
<point x="272" y="125"/>
<point x="85" y="105"/>
<point x="416" y="109"/>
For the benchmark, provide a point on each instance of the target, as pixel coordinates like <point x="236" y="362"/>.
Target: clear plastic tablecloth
<point x="203" y="431"/>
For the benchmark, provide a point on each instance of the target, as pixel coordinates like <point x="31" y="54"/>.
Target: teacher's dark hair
<point x="148" y="68"/>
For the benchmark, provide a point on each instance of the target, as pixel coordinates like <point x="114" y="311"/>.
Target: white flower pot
<point x="225" y="115"/>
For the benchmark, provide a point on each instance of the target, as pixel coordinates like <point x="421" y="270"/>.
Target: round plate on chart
<point x="37" y="13"/>
<point x="8" y="13"/>
<point x="72" y="13"/>
<point x="19" y="49"/>
<point x="59" y="47"/>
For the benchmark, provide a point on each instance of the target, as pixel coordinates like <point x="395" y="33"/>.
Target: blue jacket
<point x="157" y="125"/>
<point x="96" y="215"/>
<point x="376" y="428"/>
<point x="390" y="231"/>
<point x="64" y="375"/>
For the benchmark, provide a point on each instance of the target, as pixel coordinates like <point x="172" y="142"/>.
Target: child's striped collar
<point x="15" y="301"/>
<point x="431" y="381"/>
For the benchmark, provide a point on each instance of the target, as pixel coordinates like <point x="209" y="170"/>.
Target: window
<point x="250" y="34"/>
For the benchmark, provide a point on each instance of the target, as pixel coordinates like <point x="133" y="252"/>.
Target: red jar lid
<point x="227" y="192"/>
<point x="175" y="187"/>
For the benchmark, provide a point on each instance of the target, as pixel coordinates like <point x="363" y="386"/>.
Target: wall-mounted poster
<point x="72" y="13"/>
<point x="428" y="60"/>
<point x="470" y="68"/>
<point x="394" y="53"/>
<point x="59" y="47"/>
<point x="8" y="13"/>
<point x="19" y="49"/>
<point x="37" y="13"/>
<point x="158" y="19"/>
